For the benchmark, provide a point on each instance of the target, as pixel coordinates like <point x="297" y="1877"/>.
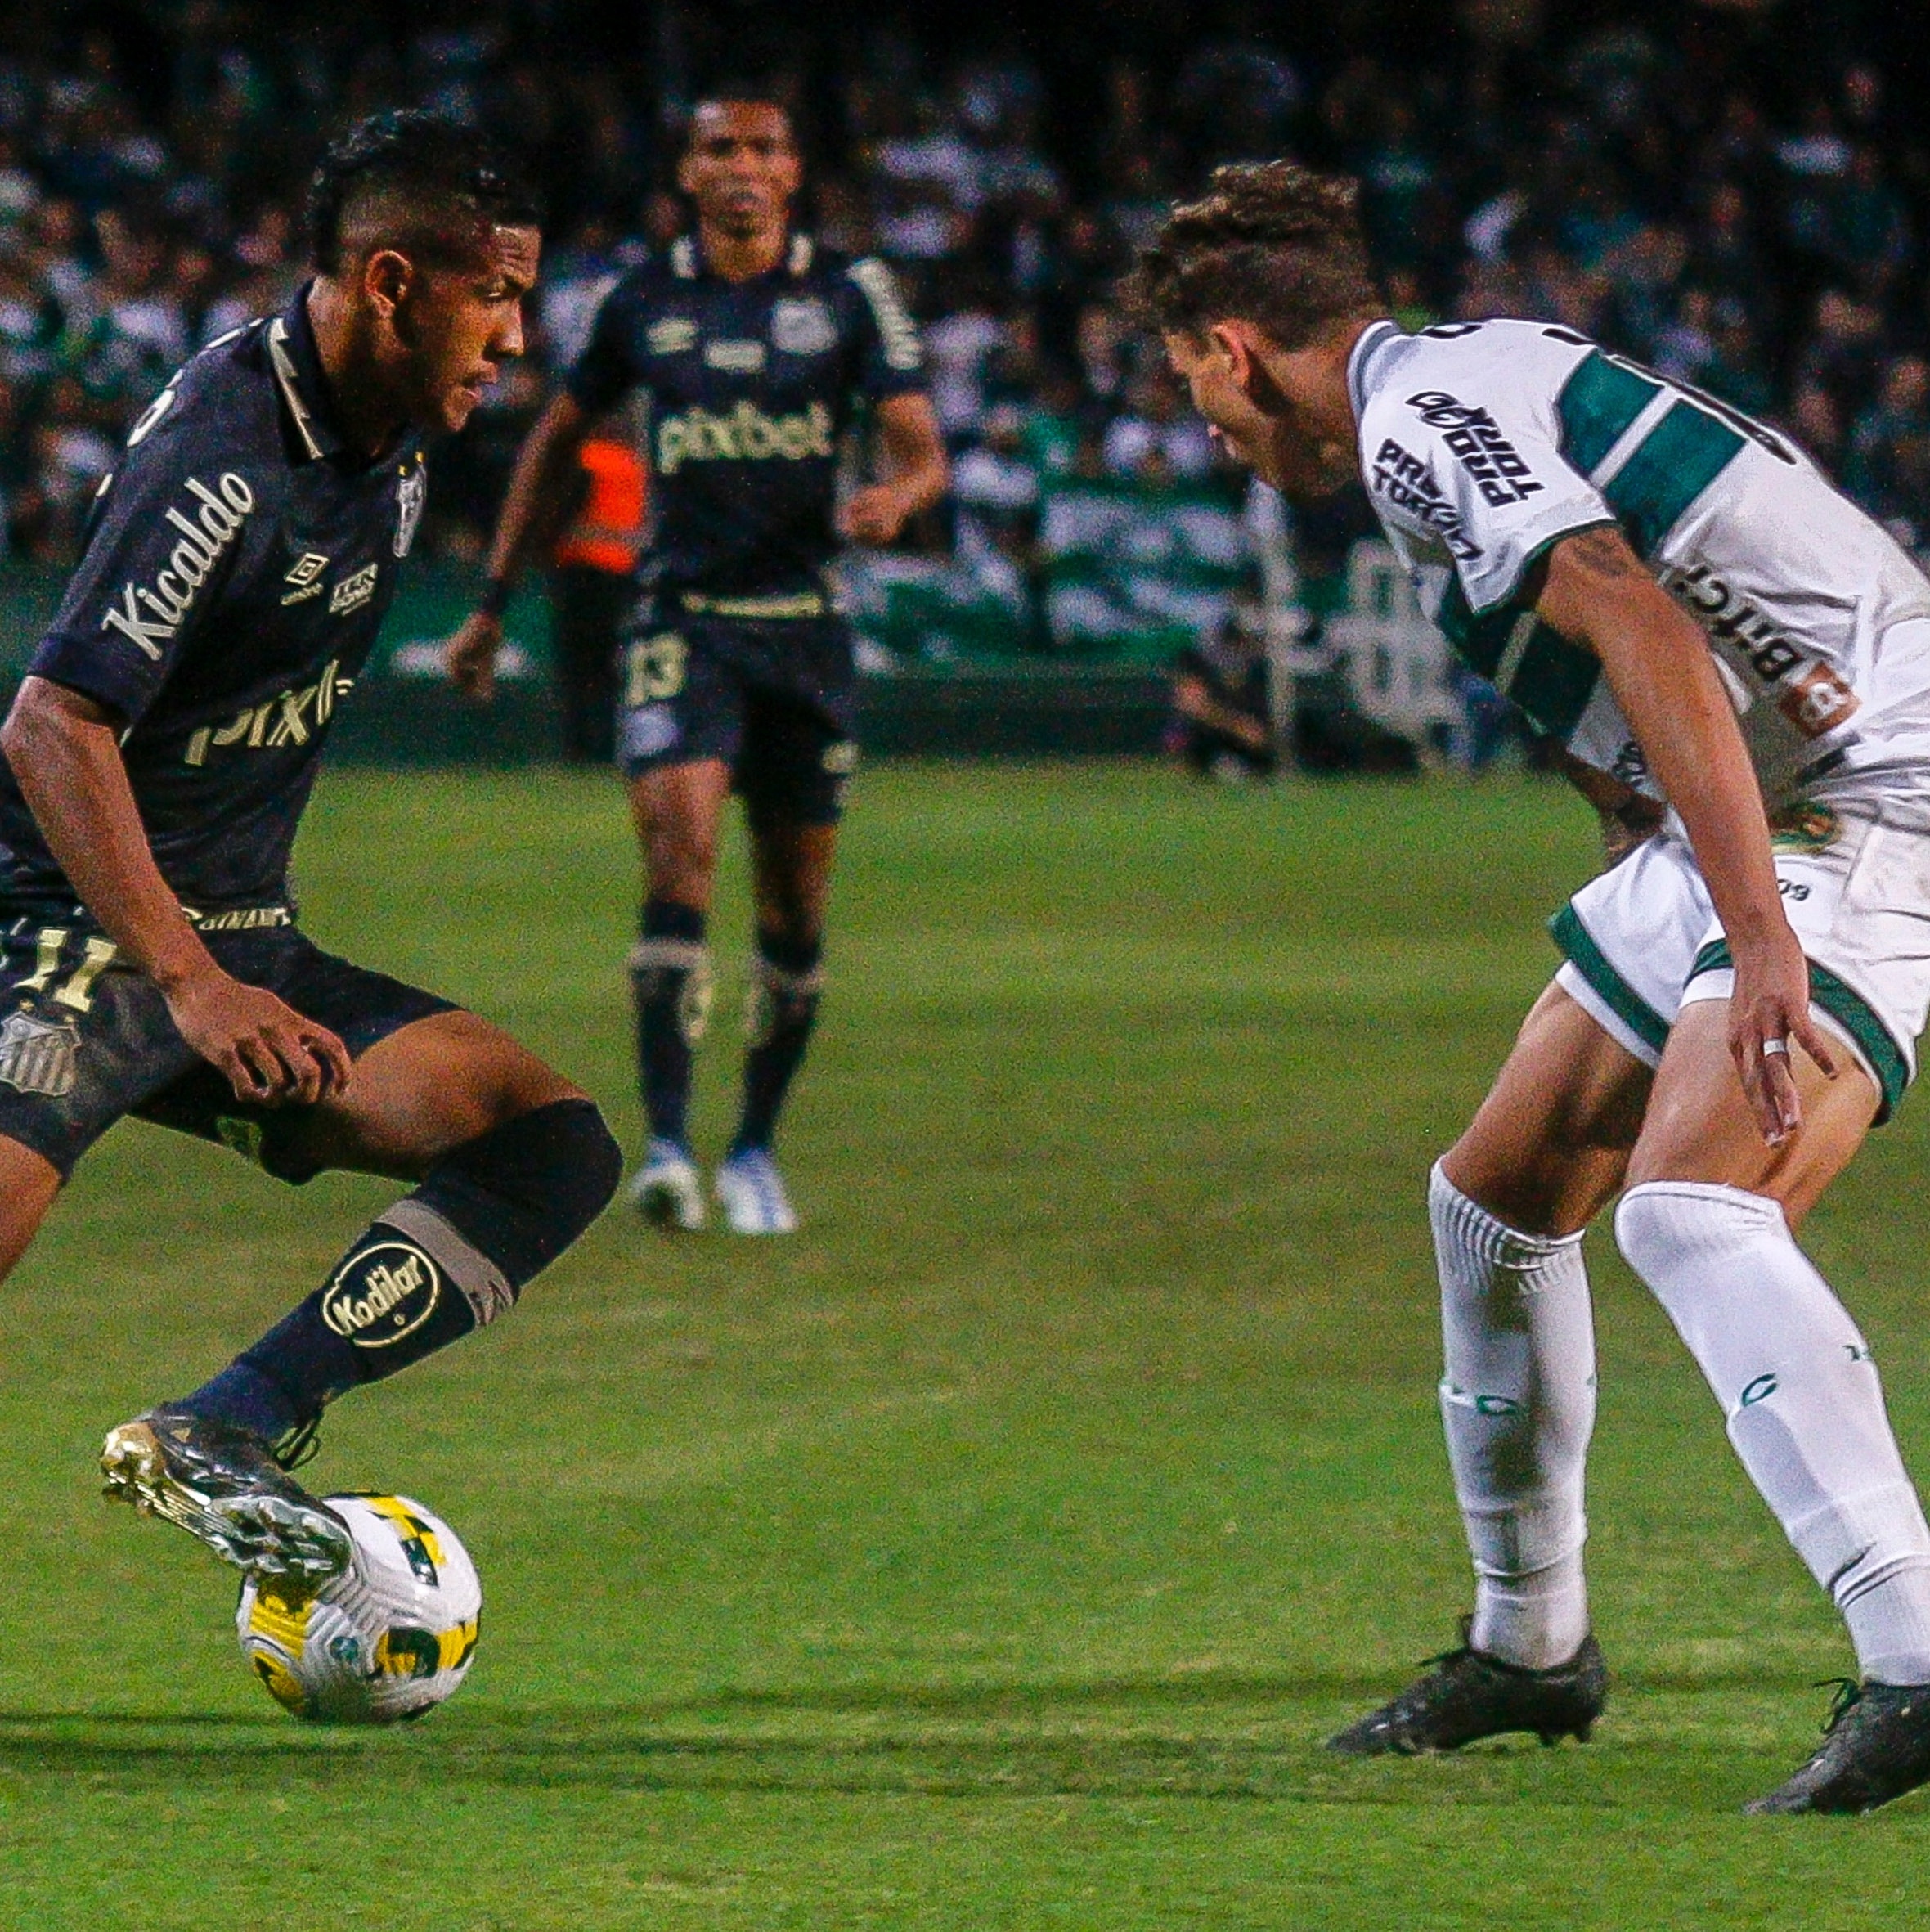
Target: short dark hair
<point x="1270" y="243"/>
<point x="747" y="89"/>
<point x="417" y="179"/>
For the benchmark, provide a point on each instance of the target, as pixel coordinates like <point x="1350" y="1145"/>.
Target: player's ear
<point x="1230" y="340"/>
<point x="387" y="278"/>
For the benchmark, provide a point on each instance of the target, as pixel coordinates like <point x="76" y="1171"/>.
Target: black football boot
<point x="1466" y="1695"/>
<point x="1876" y="1747"/>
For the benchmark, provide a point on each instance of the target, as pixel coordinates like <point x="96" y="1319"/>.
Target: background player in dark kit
<point x="754" y="346"/>
<point x="158" y="759"/>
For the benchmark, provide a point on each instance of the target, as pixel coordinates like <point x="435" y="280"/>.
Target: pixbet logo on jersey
<point x="747" y="435"/>
<point x="148" y="615"/>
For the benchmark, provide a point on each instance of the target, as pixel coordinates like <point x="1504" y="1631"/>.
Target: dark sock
<point x="786" y="988"/>
<point x="670" y="977"/>
<point x="455" y="1253"/>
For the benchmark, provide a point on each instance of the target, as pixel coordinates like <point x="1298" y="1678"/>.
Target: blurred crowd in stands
<point x="1706" y="186"/>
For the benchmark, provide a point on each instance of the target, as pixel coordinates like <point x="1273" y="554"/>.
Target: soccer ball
<point x="389" y="1639"/>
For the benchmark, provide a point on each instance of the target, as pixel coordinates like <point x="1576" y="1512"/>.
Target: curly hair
<point x="416" y="180"/>
<point x="1270" y="243"/>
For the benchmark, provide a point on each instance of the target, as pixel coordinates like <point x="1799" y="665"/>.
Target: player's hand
<point x="271" y="1056"/>
<point x="1769" y="1009"/>
<point x="469" y="656"/>
<point x="874" y="516"/>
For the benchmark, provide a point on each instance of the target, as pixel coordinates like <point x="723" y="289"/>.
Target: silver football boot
<point x="224" y="1485"/>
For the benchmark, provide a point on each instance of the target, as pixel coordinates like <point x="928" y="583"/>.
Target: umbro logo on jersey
<point x="353" y="591"/>
<point x="1491" y="461"/>
<point x="149" y="614"/>
<point x="304" y="579"/>
<point x="675" y="336"/>
<point x="740" y="358"/>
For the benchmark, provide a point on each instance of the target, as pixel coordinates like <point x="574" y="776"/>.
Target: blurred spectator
<point x="1887" y="464"/>
<point x="1688" y="183"/>
<point x="1223" y="725"/>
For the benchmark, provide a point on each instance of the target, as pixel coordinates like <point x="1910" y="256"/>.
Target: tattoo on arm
<point x="1605" y="552"/>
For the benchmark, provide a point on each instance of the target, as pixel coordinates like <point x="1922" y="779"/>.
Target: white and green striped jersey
<point x="1484" y="443"/>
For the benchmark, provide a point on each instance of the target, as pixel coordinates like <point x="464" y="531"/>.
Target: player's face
<point x="458" y="325"/>
<point x="1255" y="415"/>
<point x="742" y="167"/>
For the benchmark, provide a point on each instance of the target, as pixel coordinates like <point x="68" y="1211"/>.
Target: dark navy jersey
<point x="238" y="567"/>
<point x="751" y="385"/>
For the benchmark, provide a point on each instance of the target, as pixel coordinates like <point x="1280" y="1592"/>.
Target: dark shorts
<point x="776" y="700"/>
<point x="85" y="1041"/>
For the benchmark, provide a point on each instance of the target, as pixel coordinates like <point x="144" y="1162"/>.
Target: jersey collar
<point x="304" y="389"/>
<point x="1367" y="344"/>
<point x="687" y="263"/>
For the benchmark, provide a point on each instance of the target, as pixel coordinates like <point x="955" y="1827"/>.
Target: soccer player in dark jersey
<point x="756" y="347"/>
<point x="157" y="760"/>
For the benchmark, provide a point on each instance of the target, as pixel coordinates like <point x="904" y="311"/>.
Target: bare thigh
<point x="1700" y="1128"/>
<point x="422" y="1092"/>
<point x="28" y="1185"/>
<point x="1546" y="1150"/>
<point x="678" y="811"/>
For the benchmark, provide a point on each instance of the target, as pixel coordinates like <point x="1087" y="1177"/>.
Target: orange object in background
<point x="609" y="530"/>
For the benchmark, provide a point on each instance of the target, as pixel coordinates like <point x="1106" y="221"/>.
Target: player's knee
<point x="1666" y="1228"/>
<point x="521" y="1193"/>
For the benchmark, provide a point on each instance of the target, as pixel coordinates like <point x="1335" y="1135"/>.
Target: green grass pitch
<point x="997" y="1553"/>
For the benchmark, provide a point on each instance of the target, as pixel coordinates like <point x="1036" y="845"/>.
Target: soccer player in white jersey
<point x="1736" y="663"/>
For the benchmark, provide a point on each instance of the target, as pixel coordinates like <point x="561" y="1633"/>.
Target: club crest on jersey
<point x="384" y="1291"/>
<point x="411" y="494"/>
<point x="801" y="326"/>
<point x="38" y="1055"/>
<point x="149" y="614"/>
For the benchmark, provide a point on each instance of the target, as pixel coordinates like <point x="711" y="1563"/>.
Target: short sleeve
<point x="891" y="353"/>
<point x="606" y="371"/>
<point x="166" y="534"/>
<point x="1484" y="479"/>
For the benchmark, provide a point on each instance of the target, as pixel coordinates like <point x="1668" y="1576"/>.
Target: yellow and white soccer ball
<point x="389" y="1638"/>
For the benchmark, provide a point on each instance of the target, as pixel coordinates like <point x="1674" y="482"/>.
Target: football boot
<point x="1876" y="1747"/>
<point x="668" y="1190"/>
<point x="227" y="1487"/>
<point x="1467" y="1695"/>
<point x="751" y="1191"/>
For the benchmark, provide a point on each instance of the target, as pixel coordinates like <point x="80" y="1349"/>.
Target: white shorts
<point x="1642" y="940"/>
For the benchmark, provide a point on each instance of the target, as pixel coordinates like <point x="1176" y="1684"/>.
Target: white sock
<point x="1518" y="1405"/>
<point x="1805" y="1407"/>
